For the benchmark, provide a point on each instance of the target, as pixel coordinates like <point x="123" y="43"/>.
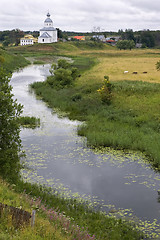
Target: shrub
<point x="106" y="91"/>
<point x="158" y="65"/>
<point x="62" y="75"/>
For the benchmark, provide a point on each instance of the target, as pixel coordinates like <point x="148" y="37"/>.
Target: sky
<point x="80" y="15"/>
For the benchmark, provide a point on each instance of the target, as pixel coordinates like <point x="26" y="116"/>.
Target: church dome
<point x="48" y="20"/>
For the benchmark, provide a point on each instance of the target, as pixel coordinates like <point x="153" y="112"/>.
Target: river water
<point x="123" y="183"/>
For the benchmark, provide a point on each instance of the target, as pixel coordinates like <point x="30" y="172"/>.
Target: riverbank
<point x="132" y="119"/>
<point x="58" y="218"/>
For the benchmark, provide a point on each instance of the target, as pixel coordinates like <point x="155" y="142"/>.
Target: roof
<point x="111" y="41"/>
<point x="28" y="37"/>
<point x="45" y="35"/>
<point x="48" y="20"/>
<point x="48" y="29"/>
<point x="79" y="37"/>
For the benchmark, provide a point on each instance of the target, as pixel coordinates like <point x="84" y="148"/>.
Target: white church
<point x="48" y="34"/>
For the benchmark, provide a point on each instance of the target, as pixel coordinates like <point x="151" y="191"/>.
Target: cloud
<point x="80" y="15"/>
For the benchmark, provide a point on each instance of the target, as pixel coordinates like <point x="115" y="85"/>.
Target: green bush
<point x="105" y="91"/>
<point x="62" y="75"/>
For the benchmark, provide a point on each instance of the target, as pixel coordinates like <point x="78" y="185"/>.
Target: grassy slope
<point x="12" y="61"/>
<point x="43" y="228"/>
<point x="47" y="227"/>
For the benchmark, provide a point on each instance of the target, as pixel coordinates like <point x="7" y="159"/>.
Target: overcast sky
<point x="80" y="15"/>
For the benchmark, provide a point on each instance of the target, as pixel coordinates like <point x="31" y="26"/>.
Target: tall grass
<point x="132" y="121"/>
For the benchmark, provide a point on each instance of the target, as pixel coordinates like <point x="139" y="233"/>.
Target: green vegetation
<point x="132" y="119"/>
<point x="10" y="143"/>
<point x="57" y="218"/>
<point x="38" y="62"/>
<point x="29" y="122"/>
<point x="62" y="75"/>
<point x="12" y="61"/>
<point x="125" y="44"/>
<point x="43" y="228"/>
<point x="10" y="110"/>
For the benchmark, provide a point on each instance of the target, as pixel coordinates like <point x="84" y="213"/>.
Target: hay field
<point x="114" y="62"/>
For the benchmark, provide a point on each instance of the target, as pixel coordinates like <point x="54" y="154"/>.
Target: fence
<point x="18" y="216"/>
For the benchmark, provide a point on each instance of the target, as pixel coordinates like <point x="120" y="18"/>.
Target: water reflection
<point x="60" y="158"/>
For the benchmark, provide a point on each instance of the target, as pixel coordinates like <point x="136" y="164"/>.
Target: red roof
<point x="110" y="40"/>
<point x="79" y="37"/>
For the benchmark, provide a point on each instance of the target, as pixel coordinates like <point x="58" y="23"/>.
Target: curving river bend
<point x="122" y="183"/>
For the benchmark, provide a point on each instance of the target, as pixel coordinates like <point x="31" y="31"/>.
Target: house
<point x="48" y="34"/>
<point x="111" y="41"/>
<point x="81" y="38"/>
<point x="99" y="37"/>
<point x="28" y="40"/>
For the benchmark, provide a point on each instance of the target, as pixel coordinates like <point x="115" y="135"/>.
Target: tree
<point x="125" y="44"/>
<point x="147" y="39"/>
<point x="62" y="75"/>
<point x="10" y="143"/>
<point x="128" y="35"/>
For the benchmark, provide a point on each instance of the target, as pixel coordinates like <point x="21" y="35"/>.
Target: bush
<point x="105" y="91"/>
<point x="158" y="65"/>
<point x="62" y="75"/>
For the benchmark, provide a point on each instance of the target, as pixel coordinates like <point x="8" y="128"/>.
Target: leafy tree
<point x="125" y="44"/>
<point x="147" y="39"/>
<point x="128" y="35"/>
<point x="6" y="42"/>
<point x="10" y="143"/>
<point x="62" y="75"/>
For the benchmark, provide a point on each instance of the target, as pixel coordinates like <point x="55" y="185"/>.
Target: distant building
<point x="28" y="40"/>
<point x="99" y="38"/>
<point x="48" y="34"/>
<point x="82" y="38"/>
<point x="111" y="41"/>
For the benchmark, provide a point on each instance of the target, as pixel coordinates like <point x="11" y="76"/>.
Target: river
<point x="123" y="183"/>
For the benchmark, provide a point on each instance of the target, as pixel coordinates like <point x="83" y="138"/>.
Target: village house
<point x="99" y="38"/>
<point x="48" y="34"/>
<point x="28" y="40"/>
<point x="81" y="38"/>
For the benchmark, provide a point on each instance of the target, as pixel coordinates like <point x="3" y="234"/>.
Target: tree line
<point x="146" y="38"/>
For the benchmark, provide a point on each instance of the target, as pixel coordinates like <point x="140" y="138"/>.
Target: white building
<point x="27" y="40"/>
<point x="48" y="34"/>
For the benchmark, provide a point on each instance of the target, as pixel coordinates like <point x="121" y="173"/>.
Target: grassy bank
<point x="132" y="120"/>
<point x="11" y="61"/>
<point x="58" y="218"/>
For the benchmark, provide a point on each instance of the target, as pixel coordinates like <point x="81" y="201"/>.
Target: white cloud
<point x="80" y="15"/>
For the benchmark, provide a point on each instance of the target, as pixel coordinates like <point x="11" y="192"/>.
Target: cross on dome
<point x="48" y="14"/>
